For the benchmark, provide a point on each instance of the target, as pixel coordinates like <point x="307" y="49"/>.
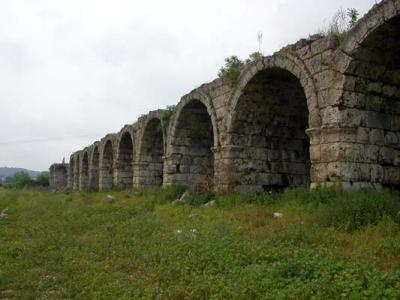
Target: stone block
<point x="363" y="135"/>
<point x="391" y="175"/>
<point x="377" y="137"/>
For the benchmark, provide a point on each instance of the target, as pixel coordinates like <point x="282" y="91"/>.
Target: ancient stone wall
<point x="58" y="176"/>
<point x="149" y="150"/>
<point x="320" y="112"/>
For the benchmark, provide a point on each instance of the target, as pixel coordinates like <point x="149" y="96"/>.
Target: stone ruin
<point x="320" y="112"/>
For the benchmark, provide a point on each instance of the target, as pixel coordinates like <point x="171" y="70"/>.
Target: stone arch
<point x="285" y="62"/>
<point x="107" y="165"/>
<point x="94" y="165"/>
<point x="371" y="99"/>
<point x="207" y="102"/>
<point x="193" y="134"/>
<point x="124" y="163"/>
<point x="271" y="109"/>
<point x="151" y="153"/>
<point x="84" y="173"/>
<point x="381" y="14"/>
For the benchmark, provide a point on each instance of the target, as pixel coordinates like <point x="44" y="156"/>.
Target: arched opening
<point x="125" y="161"/>
<point x="268" y="128"/>
<point x="76" y="173"/>
<point x="372" y="90"/>
<point x="94" y="169"/>
<point x="83" y="184"/>
<point x="107" y="168"/>
<point x="151" y="155"/>
<point x="192" y="145"/>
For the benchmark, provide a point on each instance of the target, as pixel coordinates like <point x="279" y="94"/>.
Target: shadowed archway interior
<point x="107" y="167"/>
<point x="269" y="124"/>
<point x="372" y="90"/>
<point x="94" y="169"/>
<point x="194" y="139"/>
<point x="125" y="161"/>
<point x="151" y="154"/>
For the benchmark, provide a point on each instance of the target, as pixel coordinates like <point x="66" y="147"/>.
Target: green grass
<point x="328" y="245"/>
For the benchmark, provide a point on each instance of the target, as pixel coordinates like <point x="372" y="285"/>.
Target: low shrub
<point x="166" y="116"/>
<point x="341" y="23"/>
<point x="237" y="199"/>
<point x="162" y="195"/>
<point x="231" y="70"/>
<point x="234" y="65"/>
<point x="198" y="199"/>
<point x="351" y="211"/>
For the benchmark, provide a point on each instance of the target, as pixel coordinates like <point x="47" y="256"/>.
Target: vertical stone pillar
<point x="76" y="172"/>
<point x="58" y="176"/>
<point x="228" y="162"/>
<point x="70" y="179"/>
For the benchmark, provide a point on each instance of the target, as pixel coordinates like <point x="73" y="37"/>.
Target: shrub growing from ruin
<point x="341" y="23"/>
<point x="231" y="71"/>
<point x="234" y="65"/>
<point x="166" y="116"/>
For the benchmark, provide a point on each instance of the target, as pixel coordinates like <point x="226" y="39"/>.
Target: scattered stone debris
<point x="5" y="293"/>
<point x="278" y="215"/>
<point x="110" y="199"/>
<point x="180" y="234"/>
<point x="209" y="204"/>
<point x="193" y="232"/>
<point x="195" y="217"/>
<point x="182" y="199"/>
<point x="3" y="214"/>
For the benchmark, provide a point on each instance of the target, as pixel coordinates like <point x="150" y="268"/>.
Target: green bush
<point x="231" y="70"/>
<point x="341" y="23"/>
<point x="43" y="179"/>
<point x="254" y="56"/>
<point x="234" y="65"/>
<point x="238" y="199"/>
<point x="352" y="211"/>
<point x="162" y="195"/>
<point x="197" y="199"/>
<point x="21" y="180"/>
<point x="166" y="116"/>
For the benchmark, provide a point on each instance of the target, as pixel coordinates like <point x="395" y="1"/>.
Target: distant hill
<point x="9" y="172"/>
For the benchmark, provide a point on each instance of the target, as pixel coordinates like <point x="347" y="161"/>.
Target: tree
<point x="21" y="180"/>
<point x="231" y="70"/>
<point x="43" y="179"/>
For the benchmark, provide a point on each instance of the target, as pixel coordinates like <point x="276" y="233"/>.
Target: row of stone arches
<point x="320" y="112"/>
<point x="116" y="161"/>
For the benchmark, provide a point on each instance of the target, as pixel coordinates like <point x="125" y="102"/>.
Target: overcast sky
<point x="72" y="71"/>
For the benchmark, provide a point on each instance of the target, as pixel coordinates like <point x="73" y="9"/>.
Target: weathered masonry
<point x="58" y="176"/>
<point x="319" y="112"/>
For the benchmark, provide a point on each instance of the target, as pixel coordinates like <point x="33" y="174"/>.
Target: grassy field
<point x="327" y="245"/>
